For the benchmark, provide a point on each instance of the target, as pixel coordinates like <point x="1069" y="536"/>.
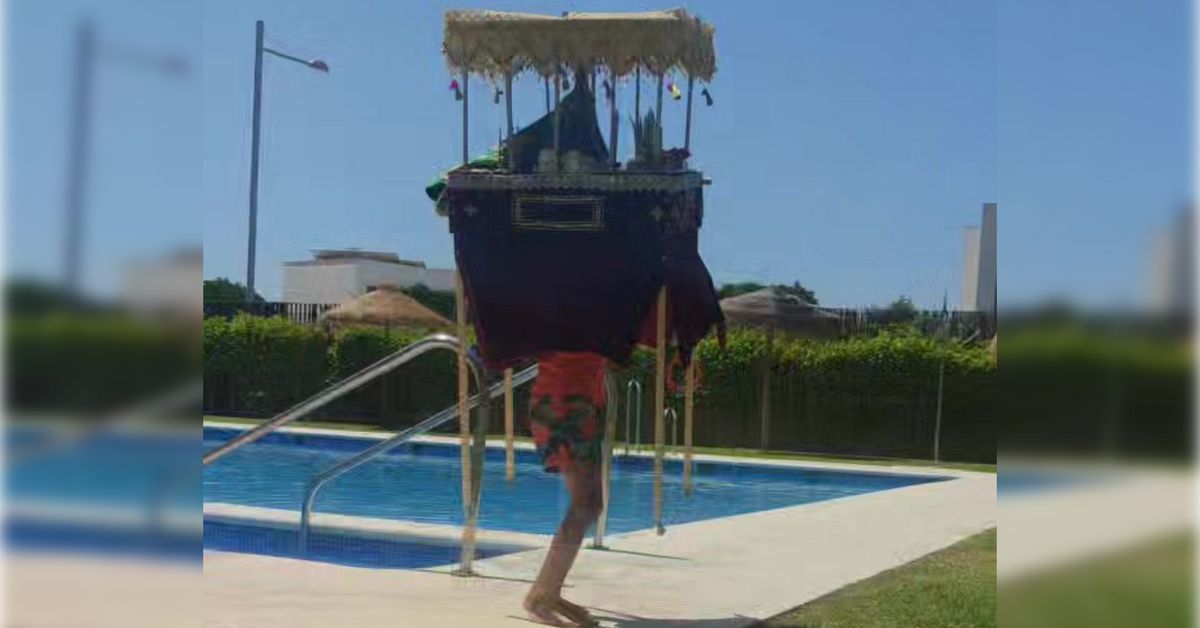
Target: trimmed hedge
<point x="87" y="364"/>
<point x="870" y="396"/>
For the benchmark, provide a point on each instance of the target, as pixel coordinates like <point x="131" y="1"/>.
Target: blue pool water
<point x="421" y="482"/>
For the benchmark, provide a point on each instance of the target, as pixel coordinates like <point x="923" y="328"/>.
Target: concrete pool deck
<point x="730" y="571"/>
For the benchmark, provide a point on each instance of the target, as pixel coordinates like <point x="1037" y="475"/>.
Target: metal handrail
<point x="633" y="401"/>
<point x="321" y="479"/>
<point x="407" y="354"/>
<point x="670" y="413"/>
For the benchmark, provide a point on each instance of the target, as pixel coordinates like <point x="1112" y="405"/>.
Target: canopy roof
<point x="495" y="42"/>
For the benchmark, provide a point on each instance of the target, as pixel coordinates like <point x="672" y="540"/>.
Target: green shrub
<point x="873" y="396"/>
<point x="93" y="363"/>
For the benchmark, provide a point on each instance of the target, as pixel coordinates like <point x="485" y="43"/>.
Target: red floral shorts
<point x="566" y="410"/>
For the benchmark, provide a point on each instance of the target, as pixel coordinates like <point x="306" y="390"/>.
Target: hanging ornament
<point x="708" y="101"/>
<point x="496" y="96"/>
<point x="458" y="95"/>
<point x="676" y="94"/>
<point x="608" y="91"/>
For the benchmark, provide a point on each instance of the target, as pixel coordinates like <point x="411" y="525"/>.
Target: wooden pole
<point x="657" y="109"/>
<point x="937" y="426"/>
<point x="766" y="391"/>
<point x="613" y="125"/>
<point x="464" y="416"/>
<point x="687" y="126"/>
<point x="557" y="115"/>
<point x="546" y="80"/>
<point x="660" y="402"/>
<point x="509" y="114"/>
<point x="510" y="462"/>
<point x="637" y="92"/>
<point x="465" y="153"/>
<point x="689" y="395"/>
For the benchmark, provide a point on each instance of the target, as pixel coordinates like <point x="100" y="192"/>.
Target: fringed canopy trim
<point x="494" y="43"/>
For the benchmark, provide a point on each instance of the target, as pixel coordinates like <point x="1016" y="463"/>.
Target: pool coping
<point x="498" y="443"/>
<point x="368" y="527"/>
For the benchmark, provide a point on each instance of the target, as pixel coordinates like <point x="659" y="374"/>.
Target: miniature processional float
<point x="560" y="246"/>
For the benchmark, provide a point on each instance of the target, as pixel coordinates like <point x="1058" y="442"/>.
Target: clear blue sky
<point x="850" y="143"/>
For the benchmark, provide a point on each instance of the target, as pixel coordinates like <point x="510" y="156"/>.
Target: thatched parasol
<point x="386" y="306"/>
<point x="775" y="309"/>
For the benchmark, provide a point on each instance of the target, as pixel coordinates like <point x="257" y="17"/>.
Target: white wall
<point x="970" y="271"/>
<point x="979" y="264"/>
<point x="340" y="282"/>
<point x="985" y="295"/>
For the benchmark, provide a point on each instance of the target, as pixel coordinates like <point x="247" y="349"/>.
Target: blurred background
<point x="102" y="307"/>
<point x="1097" y="294"/>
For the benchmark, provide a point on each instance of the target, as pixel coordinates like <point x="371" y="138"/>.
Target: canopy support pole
<point x="465" y="154"/>
<point x="660" y="402"/>
<point x="658" y="111"/>
<point x="687" y="126"/>
<point x="689" y="395"/>
<point x="510" y="462"/>
<point x="766" y="391"/>
<point x="557" y="114"/>
<point x="637" y="92"/>
<point x="464" y="418"/>
<point x="613" y="124"/>
<point x="546" y="80"/>
<point x="509" y="115"/>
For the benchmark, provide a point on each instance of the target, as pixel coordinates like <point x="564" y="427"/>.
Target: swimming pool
<point x="420" y="482"/>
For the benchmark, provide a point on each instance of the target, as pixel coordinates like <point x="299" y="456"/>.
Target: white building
<point x="336" y="276"/>
<point x="171" y="285"/>
<point x="979" y="264"/>
<point x="1171" y="288"/>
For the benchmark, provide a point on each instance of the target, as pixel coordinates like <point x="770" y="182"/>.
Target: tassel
<point x="676" y="94"/>
<point x="708" y="101"/>
<point x="608" y="92"/>
<point x="457" y="90"/>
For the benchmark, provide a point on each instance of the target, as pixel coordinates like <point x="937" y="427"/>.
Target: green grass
<point x="719" y="451"/>
<point x="1149" y="586"/>
<point x="952" y="588"/>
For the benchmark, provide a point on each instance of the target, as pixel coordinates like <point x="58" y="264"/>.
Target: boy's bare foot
<point x="542" y="607"/>
<point x="575" y="613"/>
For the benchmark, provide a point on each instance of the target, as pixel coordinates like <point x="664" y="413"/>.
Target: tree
<point x="734" y="289"/>
<point x="804" y="293"/>
<point x="32" y="296"/>
<point x="222" y="290"/>
<point x="901" y="310"/>
<point x="438" y="301"/>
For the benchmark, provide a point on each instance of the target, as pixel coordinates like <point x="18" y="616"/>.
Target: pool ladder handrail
<point x="633" y="402"/>
<point x="330" y="473"/>
<point x="351" y="383"/>
<point x="673" y="416"/>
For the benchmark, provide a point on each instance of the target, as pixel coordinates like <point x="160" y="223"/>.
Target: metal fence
<point x="304" y="313"/>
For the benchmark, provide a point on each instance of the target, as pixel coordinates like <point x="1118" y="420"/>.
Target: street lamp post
<point x="85" y="43"/>
<point x="259" y="49"/>
<point x="88" y="48"/>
